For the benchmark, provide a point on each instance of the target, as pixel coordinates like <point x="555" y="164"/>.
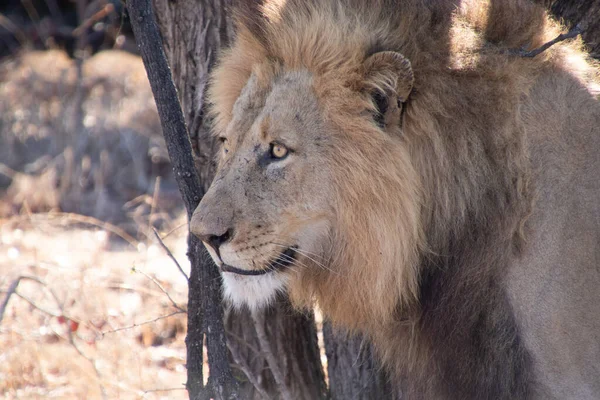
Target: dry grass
<point x="103" y="286"/>
<point x="84" y="177"/>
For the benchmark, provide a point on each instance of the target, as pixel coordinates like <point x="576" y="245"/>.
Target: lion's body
<point x="461" y="231"/>
<point x="553" y="285"/>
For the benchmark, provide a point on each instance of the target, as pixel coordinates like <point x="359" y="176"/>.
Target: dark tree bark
<point x="586" y="13"/>
<point x="278" y="341"/>
<point x="354" y="372"/>
<point x="192" y="33"/>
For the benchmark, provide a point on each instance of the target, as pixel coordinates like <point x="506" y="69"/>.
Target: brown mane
<point x="441" y="315"/>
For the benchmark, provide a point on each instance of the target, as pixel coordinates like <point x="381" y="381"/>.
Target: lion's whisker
<point x="321" y="265"/>
<point x="282" y="263"/>
<point x="293" y="261"/>
<point x="306" y="253"/>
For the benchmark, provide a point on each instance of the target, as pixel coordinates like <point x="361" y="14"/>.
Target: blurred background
<point x="92" y="305"/>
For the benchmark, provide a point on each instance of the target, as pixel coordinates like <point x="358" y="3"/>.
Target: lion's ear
<point x="389" y="80"/>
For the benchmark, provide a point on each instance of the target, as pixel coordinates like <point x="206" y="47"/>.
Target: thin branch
<point x="161" y="390"/>
<point x="131" y="288"/>
<point x="174" y="229"/>
<point x="164" y="246"/>
<point x="40" y="308"/>
<point x="153" y="202"/>
<point x="259" y="324"/>
<point x="11" y="290"/>
<point x="5" y="169"/>
<point x="103" y="12"/>
<point x="242" y="342"/>
<point x="125" y="328"/>
<point x="55" y="315"/>
<point x="90" y="360"/>
<point x="7" y="24"/>
<point x="241" y="362"/>
<point x="157" y="283"/>
<point x="43" y="310"/>
<point x="575" y="31"/>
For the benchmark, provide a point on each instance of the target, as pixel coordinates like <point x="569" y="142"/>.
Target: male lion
<point x="403" y="166"/>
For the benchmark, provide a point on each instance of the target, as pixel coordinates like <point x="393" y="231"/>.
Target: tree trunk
<point x="278" y="341"/>
<point x="353" y="370"/>
<point x="276" y="351"/>
<point x="204" y="298"/>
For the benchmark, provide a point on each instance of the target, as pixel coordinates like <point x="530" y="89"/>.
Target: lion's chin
<point x="254" y="292"/>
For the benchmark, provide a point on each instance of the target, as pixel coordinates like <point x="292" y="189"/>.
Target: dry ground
<point x="68" y="334"/>
<point x="77" y="142"/>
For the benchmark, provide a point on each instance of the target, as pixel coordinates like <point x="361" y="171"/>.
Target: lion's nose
<point x="212" y="221"/>
<point x="210" y="230"/>
<point x="215" y="241"/>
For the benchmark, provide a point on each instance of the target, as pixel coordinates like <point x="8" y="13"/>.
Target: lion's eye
<point x="224" y="145"/>
<point x="278" y="151"/>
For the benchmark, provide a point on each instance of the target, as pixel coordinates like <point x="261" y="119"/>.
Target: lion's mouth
<point x="281" y="262"/>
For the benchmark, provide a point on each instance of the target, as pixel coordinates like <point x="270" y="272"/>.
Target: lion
<point x="403" y="166"/>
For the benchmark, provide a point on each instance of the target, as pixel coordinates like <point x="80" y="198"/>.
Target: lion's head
<point x="313" y="177"/>
<point x="351" y="152"/>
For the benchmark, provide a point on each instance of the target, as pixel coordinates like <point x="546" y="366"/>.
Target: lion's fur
<point x="428" y="217"/>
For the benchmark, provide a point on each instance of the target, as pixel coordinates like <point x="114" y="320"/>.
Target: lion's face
<point x="268" y="211"/>
<point x="314" y="192"/>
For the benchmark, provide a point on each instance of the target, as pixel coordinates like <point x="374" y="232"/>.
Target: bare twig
<point x="39" y="308"/>
<point x="160" y="390"/>
<point x="90" y="360"/>
<point x="174" y="229"/>
<point x="52" y="314"/>
<point x="125" y="328"/>
<point x="243" y="342"/>
<point x="241" y="362"/>
<point x="7" y="24"/>
<point x="31" y="11"/>
<point x="33" y="304"/>
<point x="104" y="11"/>
<point x="80" y="134"/>
<point x="55" y="11"/>
<point x="157" y="283"/>
<point x="11" y="290"/>
<point x="259" y="323"/>
<point x="124" y="286"/>
<point x="575" y="31"/>
<point x="155" y="194"/>
<point x="164" y="246"/>
<point x="5" y="169"/>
